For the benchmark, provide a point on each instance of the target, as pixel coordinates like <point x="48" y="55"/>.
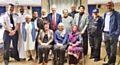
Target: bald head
<point x="110" y="6"/>
<point x="53" y="8"/>
<point x="73" y="7"/>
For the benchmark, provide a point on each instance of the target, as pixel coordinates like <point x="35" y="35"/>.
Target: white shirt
<point x="6" y="19"/>
<point x="22" y="17"/>
<point x="35" y="22"/>
<point x="107" y="21"/>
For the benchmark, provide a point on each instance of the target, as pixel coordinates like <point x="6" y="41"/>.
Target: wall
<point x="85" y="3"/>
<point x="103" y="8"/>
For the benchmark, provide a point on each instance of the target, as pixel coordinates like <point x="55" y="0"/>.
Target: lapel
<point x="82" y="18"/>
<point x="56" y="18"/>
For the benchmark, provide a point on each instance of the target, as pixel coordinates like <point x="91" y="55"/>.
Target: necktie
<point x="54" y="22"/>
<point x="12" y="22"/>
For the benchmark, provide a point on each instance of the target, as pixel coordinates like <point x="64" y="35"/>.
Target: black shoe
<point x="17" y="59"/>
<point x="91" y="57"/>
<point x="6" y="62"/>
<point x="96" y="60"/>
<point x="105" y="64"/>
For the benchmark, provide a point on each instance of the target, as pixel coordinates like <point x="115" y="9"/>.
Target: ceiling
<point x="102" y="1"/>
<point x="21" y="2"/>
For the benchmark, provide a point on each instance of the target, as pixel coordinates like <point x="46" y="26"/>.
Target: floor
<point x="87" y="61"/>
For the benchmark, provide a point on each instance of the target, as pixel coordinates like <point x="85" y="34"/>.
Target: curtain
<point x="63" y="4"/>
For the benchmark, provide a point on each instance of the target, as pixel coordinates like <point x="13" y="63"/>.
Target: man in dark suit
<point x="111" y="29"/>
<point x="39" y="24"/>
<point x="54" y="18"/>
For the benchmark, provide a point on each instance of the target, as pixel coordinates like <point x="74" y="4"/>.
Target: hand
<point x="61" y="45"/>
<point x="37" y="29"/>
<point x="12" y="33"/>
<point x="58" y="44"/>
<point x="73" y="45"/>
<point x="82" y="32"/>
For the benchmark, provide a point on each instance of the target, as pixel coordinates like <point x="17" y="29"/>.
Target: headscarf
<point x="63" y="32"/>
<point x="73" y="35"/>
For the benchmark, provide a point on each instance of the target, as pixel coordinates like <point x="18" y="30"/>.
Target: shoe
<point x="91" y="57"/>
<point x="17" y="59"/>
<point x="105" y="64"/>
<point x="6" y="62"/>
<point x="96" y="60"/>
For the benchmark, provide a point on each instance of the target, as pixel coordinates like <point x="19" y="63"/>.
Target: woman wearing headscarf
<point x="75" y="46"/>
<point x="60" y="39"/>
<point x="29" y="36"/>
<point x="45" y="39"/>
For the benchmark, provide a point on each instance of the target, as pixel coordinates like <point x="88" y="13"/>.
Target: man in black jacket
<point x="39" y="24"/>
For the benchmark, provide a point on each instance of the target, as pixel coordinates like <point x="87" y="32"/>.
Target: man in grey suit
<point x="81" y="19"/>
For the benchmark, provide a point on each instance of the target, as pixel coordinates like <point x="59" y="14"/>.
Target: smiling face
<point x="65" y="13"/>
<point x="35" y="14"/>
<point x="53" y="9"/>
<point x="74" y="28"/>
<point x="60" y="27"/>
<point x="28" y="19"/>
<point x="21" y="9"/>
<point x="46" y="26"/>
<point x="81" y="9"/>
<point x="110" y="6"/>
<point x="95" y="15"/>
<point x="73" y="7"/>
<point x="11" y="8"/>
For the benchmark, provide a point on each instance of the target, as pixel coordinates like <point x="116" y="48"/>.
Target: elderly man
<point x="54" y="18"/>
<point x="111" y="29"/>
<point x="44" y="14"/>
<point x="29" y="35"/>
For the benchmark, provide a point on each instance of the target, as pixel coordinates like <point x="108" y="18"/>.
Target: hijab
<point x="63" y="32"/>
<point x="73" y="35"/>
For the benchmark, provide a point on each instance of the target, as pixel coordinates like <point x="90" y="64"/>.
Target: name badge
<point x="11" y="25"/>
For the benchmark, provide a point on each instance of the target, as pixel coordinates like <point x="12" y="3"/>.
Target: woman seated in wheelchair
<point x="75" y="46"/>
<point x="45" y="39"/>
<point x="60" y="39"/>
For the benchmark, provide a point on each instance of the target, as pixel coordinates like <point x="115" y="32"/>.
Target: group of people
<point x="33" y="37"/>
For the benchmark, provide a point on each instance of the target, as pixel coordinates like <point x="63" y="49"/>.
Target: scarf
<point x="73" y="35"/>
<point x="62" y="33"/>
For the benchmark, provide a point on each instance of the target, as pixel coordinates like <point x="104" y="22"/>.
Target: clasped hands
<point x="59" y="44"/>
<point x="11" y="33"/>
<point x="44" y="44"/>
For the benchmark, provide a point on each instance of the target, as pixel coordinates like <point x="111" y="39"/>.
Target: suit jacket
<point x="42" y="34"/>
<point x="58" y="20"/>
<point x="114" y="24"/>
<point x="39" y="23"/>
<point x="83" y="22"/>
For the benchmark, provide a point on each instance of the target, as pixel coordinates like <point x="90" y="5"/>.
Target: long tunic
<point x="21" y="48"/>
<point x="29" y="43"/>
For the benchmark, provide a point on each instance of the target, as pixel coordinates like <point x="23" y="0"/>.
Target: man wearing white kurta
<point x="29" y="36"/>
<point x="21" y="49"/>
